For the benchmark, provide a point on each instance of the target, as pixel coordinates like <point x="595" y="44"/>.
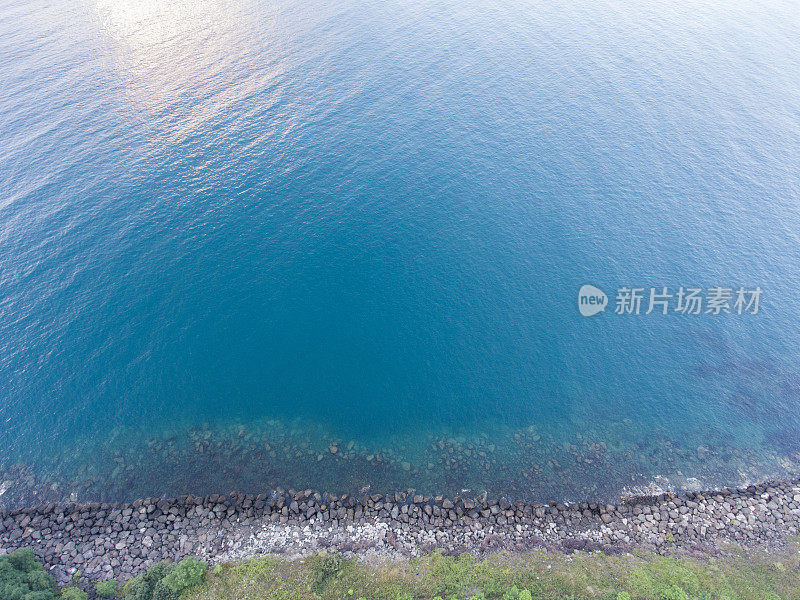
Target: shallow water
<point x="233" y="225"/>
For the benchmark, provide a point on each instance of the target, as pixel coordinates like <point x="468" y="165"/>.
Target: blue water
<point x="231" y="223"/>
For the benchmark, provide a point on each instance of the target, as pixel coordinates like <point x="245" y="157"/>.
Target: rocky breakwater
<point x="120" y="540"/>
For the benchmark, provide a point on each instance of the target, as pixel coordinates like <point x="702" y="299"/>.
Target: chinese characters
<point x="688" y="301"/>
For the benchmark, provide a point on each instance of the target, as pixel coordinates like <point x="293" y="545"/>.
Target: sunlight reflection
<point x="185" y="59"/>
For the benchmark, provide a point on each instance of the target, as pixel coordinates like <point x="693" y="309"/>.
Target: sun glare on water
<point x="183" y="58"/>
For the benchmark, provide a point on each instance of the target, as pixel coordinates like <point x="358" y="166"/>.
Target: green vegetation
<point x="536" y="575"/>
<point x="187" y="574"/>
<point x="22" y="577"/>
<point x="323" y="567"/>
<point x="165" y="581"/>
<point x="106" y="589"/>
<point x="73" y="593"/>
<point x="532" y="576"/>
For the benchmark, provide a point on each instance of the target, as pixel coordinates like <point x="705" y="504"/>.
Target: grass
<point x="535" y="575"/>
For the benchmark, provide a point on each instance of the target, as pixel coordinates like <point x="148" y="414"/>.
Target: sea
<point x="248" y="245"/>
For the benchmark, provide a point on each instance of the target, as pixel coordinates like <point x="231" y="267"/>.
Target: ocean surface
<point x="339" y="246"/>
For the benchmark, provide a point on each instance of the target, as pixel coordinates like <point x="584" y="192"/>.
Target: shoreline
<point x="120" y="540"/>
<point x="529" y="463"/>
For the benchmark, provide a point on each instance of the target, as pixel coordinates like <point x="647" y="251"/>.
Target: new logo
<point x="591" y="300"/>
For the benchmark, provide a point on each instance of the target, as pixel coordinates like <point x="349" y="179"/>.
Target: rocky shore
<point x="604" y="460"/>
<point x="120" y="540"/>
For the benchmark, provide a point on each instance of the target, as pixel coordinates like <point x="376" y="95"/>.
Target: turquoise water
<point x="332" y="245"/>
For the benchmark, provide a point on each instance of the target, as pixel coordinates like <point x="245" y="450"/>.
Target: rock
<point x="121" y="540"/>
